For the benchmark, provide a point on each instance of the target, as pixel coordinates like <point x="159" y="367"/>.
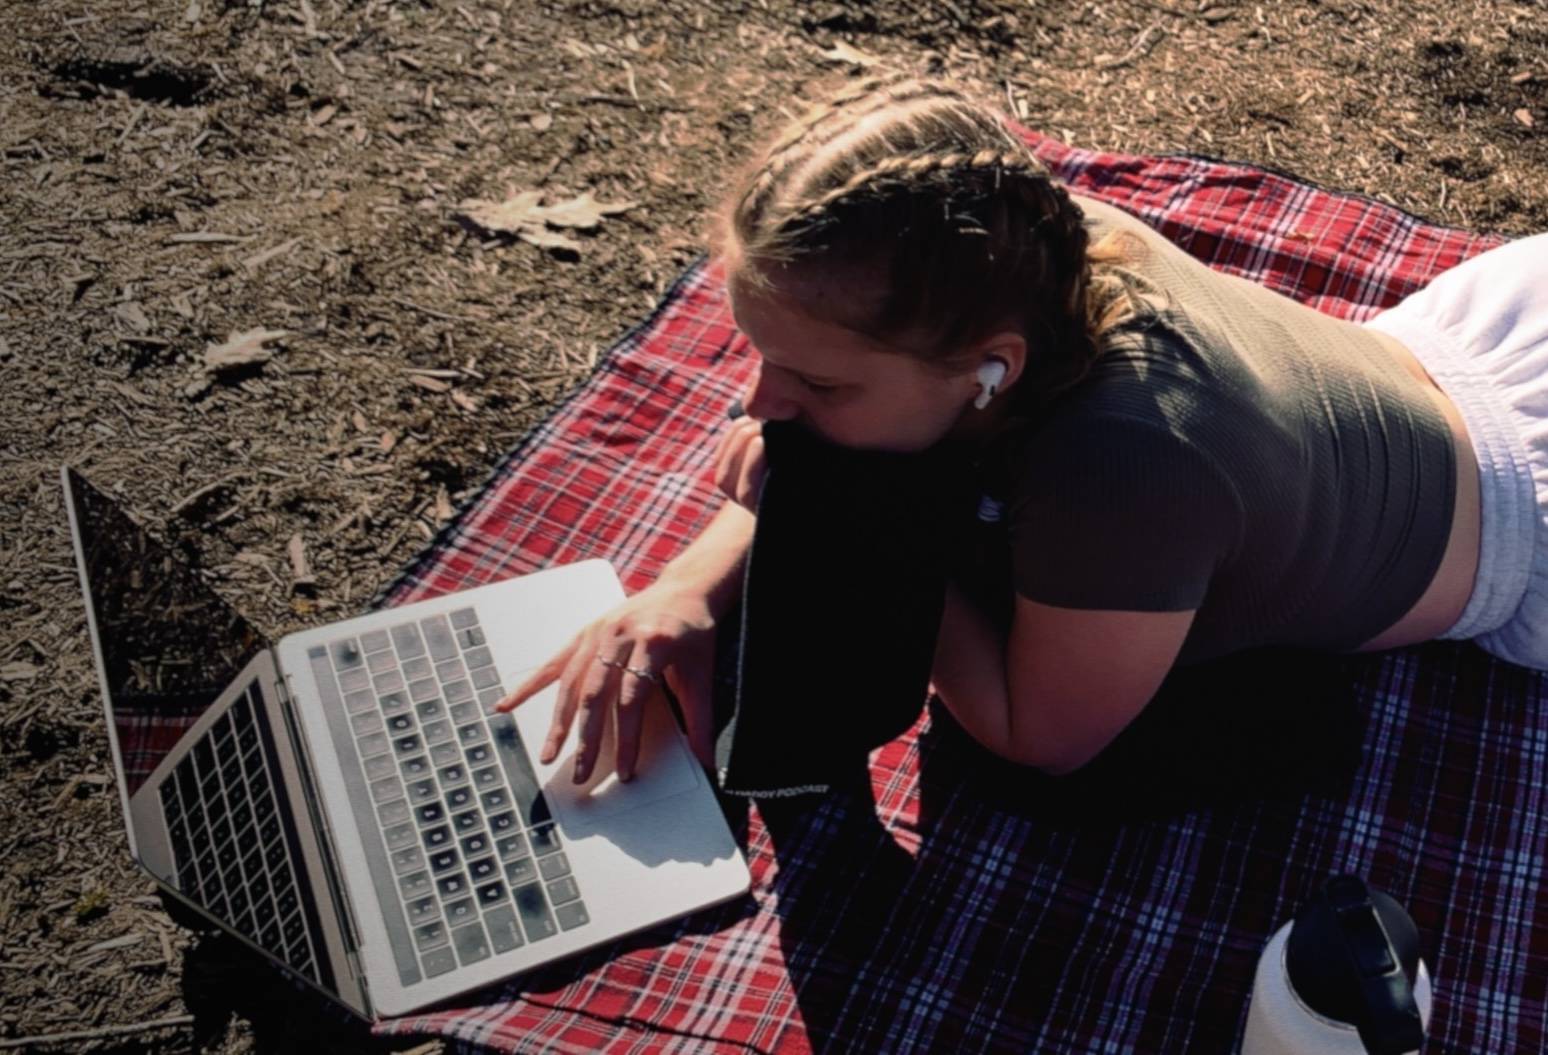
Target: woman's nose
<point x="764" y="401"/>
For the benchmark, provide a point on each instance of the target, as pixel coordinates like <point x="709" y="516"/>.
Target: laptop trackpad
<point x="665" y="767"/>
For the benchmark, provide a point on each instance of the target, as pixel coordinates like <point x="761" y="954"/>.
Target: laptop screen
<point x="169" y="644"/>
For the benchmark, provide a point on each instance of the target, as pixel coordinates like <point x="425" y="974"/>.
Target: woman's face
<point x="840" y="385"/>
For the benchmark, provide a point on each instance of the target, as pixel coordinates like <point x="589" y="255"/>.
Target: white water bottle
<point x="1344" y="978"/>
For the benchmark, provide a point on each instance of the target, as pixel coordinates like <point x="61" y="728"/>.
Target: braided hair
<point x="939" y="223"/>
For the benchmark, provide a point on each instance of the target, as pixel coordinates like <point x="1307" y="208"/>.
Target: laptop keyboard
<point x="466" y="858"/>
<point x="229" y="840"/>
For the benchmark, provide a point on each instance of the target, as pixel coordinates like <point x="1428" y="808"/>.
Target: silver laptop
<point x="345" y="803"/>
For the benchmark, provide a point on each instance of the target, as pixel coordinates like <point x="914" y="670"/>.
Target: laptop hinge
<point x="343" y="908"/>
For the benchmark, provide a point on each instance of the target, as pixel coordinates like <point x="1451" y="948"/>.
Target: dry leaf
<point x="509" y="216"/>
<point x="546" y="239"/>
<point x="1525" y="117"/>
<point x="842" y="52"/>
<point x="583" y="213"/>
<point x="241" y="349"/>
<point x="542" y="122"/>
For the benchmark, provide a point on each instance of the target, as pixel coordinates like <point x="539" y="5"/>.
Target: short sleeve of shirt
<point x="1111" y="512"/>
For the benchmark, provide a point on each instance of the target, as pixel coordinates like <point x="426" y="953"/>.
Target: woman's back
<point x="1240" y="453"/>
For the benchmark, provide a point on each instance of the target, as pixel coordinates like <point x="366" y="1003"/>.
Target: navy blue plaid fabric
<point x="927" y="912"/>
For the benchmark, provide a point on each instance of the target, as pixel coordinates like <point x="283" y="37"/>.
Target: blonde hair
<point x="941" y="222"/>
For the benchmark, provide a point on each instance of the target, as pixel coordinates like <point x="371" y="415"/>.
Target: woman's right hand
<point x="667" y="628"/>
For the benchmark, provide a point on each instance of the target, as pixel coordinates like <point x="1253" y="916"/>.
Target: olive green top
<point x="1235" y="452"/>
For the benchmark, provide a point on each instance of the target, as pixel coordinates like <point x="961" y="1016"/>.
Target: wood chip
<point x="300" y="571"/>
<point x="257" y="260"/>
<point x="203" y="237"/>
<point x="1525" y="117"/>
<point x="389" y="440"/>
<point x="430" y="384"/>
<point x="465" y="401"/>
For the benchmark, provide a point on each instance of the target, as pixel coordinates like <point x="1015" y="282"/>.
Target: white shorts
<point x="1481" y="330"/>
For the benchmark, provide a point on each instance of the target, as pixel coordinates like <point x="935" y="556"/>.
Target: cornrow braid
<point x="871" y="95"/>
<point x="904" y="170"/>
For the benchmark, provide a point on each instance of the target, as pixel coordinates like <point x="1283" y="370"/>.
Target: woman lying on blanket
<point x="1198" y="465"/>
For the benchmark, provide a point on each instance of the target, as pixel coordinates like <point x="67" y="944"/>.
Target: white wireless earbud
<point x="989" y="376"/>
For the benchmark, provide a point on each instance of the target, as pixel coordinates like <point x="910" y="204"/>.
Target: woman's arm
<point x="1061" y="685"/>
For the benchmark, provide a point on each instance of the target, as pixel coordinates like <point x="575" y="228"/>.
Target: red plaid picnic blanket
<point x="933" y="920"/>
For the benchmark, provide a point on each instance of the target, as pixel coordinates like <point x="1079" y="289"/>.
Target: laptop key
<point x="416" y="767"/>
<point x="388" y="681"/>
<point x="466" y="822"/>
<point x="463" y="618"/>
<point x="423" y="690"/>
<point x="346" y="654"/>
<point x="406" y="640"/>
<point x="491" y="893"/>
<point x="563" y="890"/>
<point x="477" y="657"/>
<point x="437" y="732"/>
<point x="417" y="668"/>
<point x="443" y="861"/>
<point x="461" y="689"/>
<point x="464" y="712"/>
<point x="536" y="920"/>
<point x="545" y="840"/>
<point x="429" y="710"/>
<point x="437" y="837"/>
<point x="400" y="836"/>
<point x="428" y="935"/>
<point x="475" y="844"/>
<point x="374" y="744"/>
<point x="486" y="778"/>
<point x="361" y="702"/>
<point x="470" y="638"/>
<point x="452" y="886"/>
<point x="478" y="754"/>
<point x="430" y="813"/>
<point x="470" y="943"/>
<point x="367" y="722"/>
<point x="355" y="680"/>
<point x="379" y="766"/>
<point x="482" y="869"/>
<point x="395" y="812"/>
<point x="520" y="871"/>
<point x="461" y="911"/>
<point x="485" y="678"/>
<point x="453" y="775"/>
<point x="407" y="745"/>
<point x="572" y="915"/>
<point x="457" y="798"/>
<point x="449" y="670"/>
<point x="394" y="703"/>
<point x="553" y="866"/>
<point x="444" y="754"/>
<point x="487" y="698"/>
<point x="439" y="961"/>
<point x="421" y="791"/>
<point x="374" y="641"/>
<point x="504" y="935"/>
<point x="510" y="846"/>
<point x="381" y="662"/>
<point x="422" y="910"/>
<point x="386" y="789"/>
<point x="501" y="823"/>
<point x="415" y="884"/>
<point x="438" y="637"/>
<point x="407" y="860"/>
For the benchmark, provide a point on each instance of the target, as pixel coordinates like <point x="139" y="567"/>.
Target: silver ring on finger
<point x="639" y="672"/>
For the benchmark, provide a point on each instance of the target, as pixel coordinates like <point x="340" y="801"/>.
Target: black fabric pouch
<point x="841" y="605"/>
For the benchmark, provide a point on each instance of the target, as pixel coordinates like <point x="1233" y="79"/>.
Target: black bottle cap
<point x="1353" y="957"/>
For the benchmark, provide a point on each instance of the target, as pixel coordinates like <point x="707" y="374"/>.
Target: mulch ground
<point x="245" y="282"/>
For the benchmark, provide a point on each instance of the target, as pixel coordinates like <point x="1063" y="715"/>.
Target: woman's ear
<point x="1009" y="347"/>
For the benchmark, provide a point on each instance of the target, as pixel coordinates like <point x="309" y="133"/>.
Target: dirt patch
<point x="180" y="173"/>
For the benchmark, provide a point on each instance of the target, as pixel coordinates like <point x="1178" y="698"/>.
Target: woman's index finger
<point x="537" y="682"/>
